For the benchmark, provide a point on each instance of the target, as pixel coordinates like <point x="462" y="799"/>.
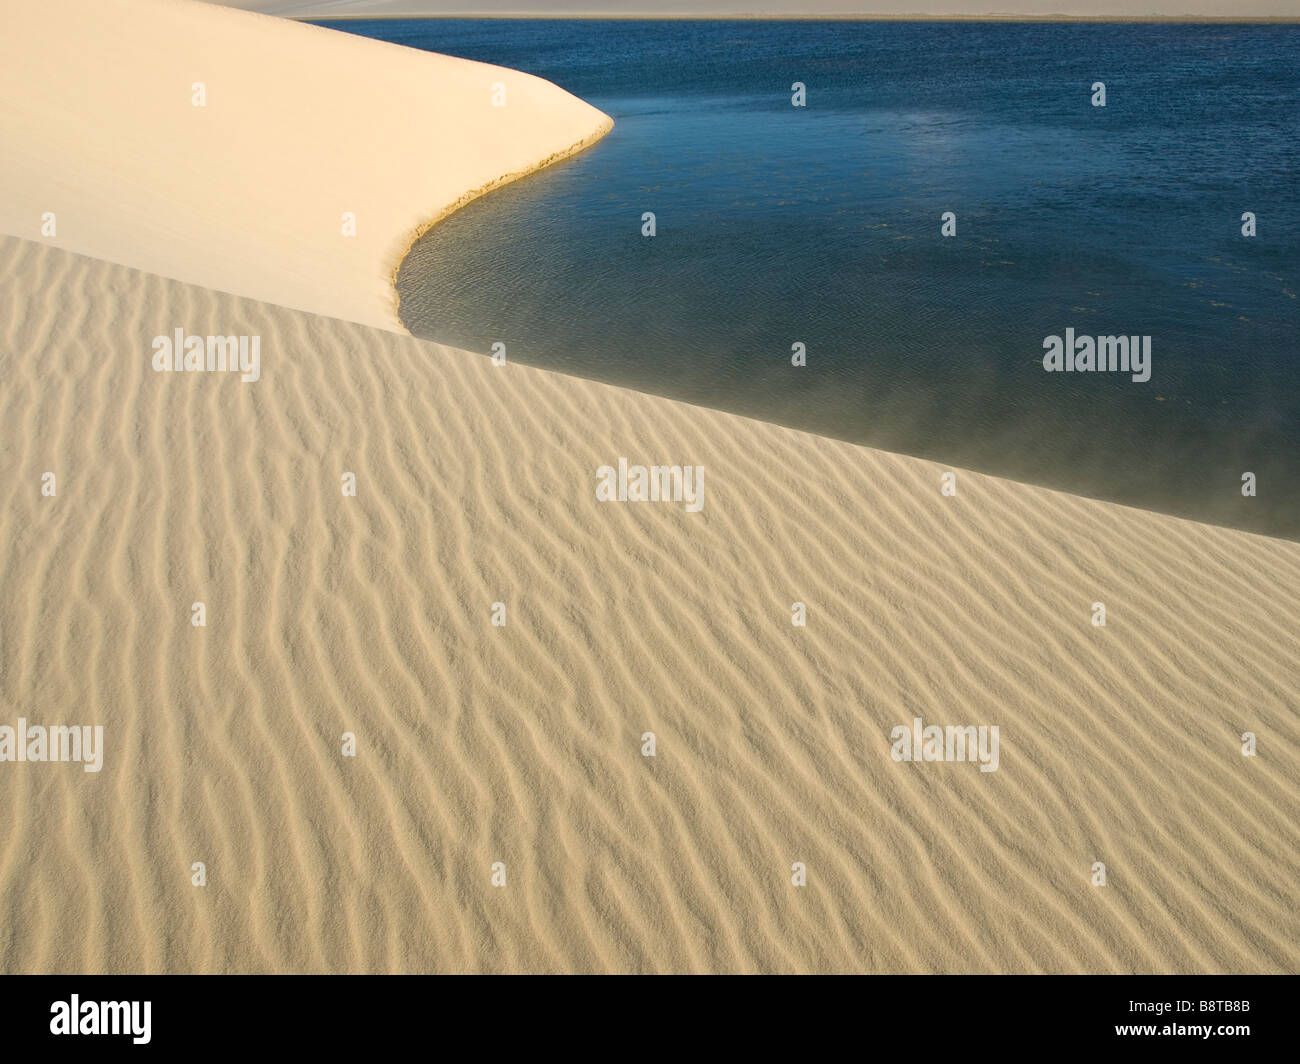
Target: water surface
<point x="779" y="225"/>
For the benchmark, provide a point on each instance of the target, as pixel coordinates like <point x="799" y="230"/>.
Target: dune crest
<point x="225" y="148"/>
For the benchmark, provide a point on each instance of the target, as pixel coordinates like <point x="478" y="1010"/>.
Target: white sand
<point x="246" y="194"/>
<point x="522" y="744"/>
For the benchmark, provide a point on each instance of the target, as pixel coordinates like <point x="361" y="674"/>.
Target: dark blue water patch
<point x="821" y="225"/>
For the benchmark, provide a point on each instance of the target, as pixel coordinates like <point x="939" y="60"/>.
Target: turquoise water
<point x="821" y="225"/>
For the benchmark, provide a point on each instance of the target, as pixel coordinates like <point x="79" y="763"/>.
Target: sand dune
<point x="298" y="126"/>
<point x="522" y="744"/>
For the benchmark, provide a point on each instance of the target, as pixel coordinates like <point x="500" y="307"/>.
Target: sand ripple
<point x="522" y="744"/>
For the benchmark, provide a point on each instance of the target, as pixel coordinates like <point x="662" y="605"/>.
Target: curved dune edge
<point x="468" y="197"/>
<point x="522" y="744"/>
<point x="299" y="126"/>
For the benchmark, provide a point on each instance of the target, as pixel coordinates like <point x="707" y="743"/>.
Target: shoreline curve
<point x="233" y="150"/>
